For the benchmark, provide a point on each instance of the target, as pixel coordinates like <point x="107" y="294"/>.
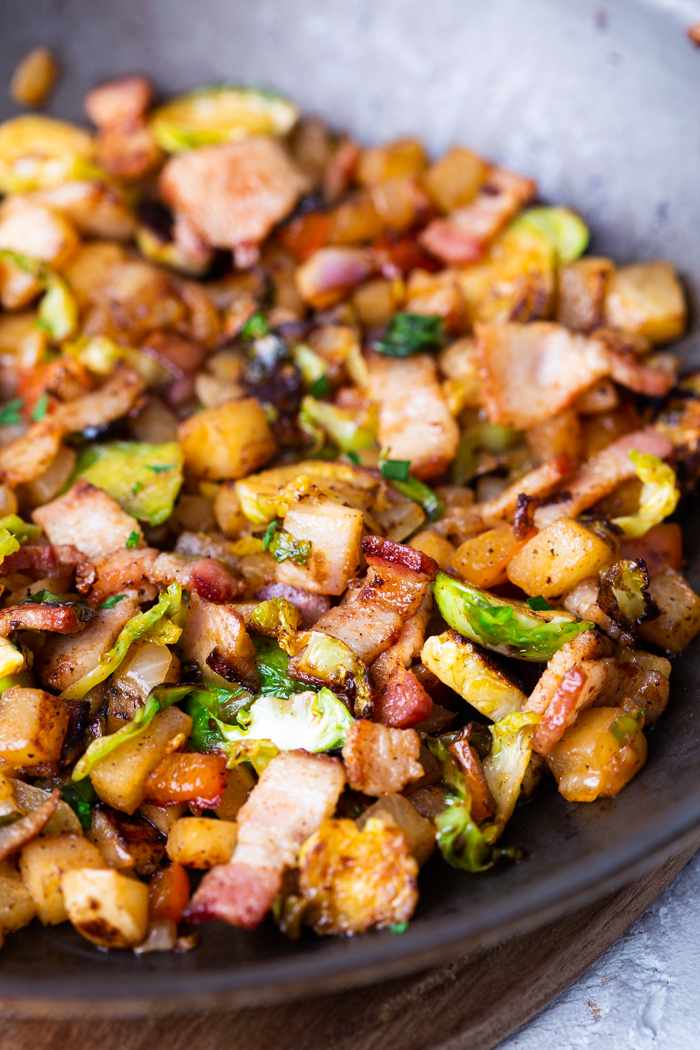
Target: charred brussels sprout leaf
<point x="159" y="699"/>
<point x="659" y="496"/>
<point x="221" y="113"/>
<point x="306" y="720"/>
<point x="505" y="627"/>
<point x="144" y="479"/>
<point x="21" y="530"/>
<point x="8" y="543"/>
<point x="348" y="429"/>
<point x="276" y="618"/>
<point x="408" y="334"/>
<point x="460" y="840"/>
<point x="505" y="766"/>
<point x="168" y="605"/>
<point x="322" y="660"/>
<point x="283" y="547"/>
<point x="623" y="594"/>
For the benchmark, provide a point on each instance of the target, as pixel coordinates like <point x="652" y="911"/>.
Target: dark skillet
<point x="598" y="99"/>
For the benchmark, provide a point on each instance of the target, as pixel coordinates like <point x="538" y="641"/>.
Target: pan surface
<point x="600" y="101"/>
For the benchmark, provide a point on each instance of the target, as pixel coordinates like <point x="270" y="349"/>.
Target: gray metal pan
<point x="600" y="101"/>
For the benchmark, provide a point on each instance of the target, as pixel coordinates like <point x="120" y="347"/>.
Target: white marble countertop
<point x="643" y="994"/>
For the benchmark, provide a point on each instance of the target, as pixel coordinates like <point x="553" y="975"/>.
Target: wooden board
<point x="470" y="1004"/>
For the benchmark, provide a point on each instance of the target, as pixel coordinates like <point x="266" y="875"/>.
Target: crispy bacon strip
<point x="122" y="570"/>
<point x="380" y="760"/>
<point x="403" y="702"/>
<point x="207" y="577"/>
<point x="464" y="235"/>
<point x="61" y="619"/>
<point x="540" y="483"/>
<point x="602" y="473"/>
<point x="295" y="794"/>
<point x="393" y="591"/>
<point x="589" y="645"/>
<point x="42" y="562"/>
<point x="563" y="704"/>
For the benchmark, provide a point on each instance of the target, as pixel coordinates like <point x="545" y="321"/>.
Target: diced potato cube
<point x="33" y="725"/>
<point x="558" y="558"/>
<point x="482" y="559"/>
<point x="561" y="433"/>
<point x="119" y="778"/>
<point x="43" y="864"/>
<point x="455" y="179"/>
<point x="598" y="755"/>
<point x="354" y="221"/>
<point x="90" y="269"/>
<point x="107" y="908"/>
<point x="335" y="534"/>
<point x="40" y="233"/>
<point x="403" y="157"/>
<point x="17" y="287"/>
<point x="435" y="546"/>
<point x="581" y="292"/>
<point x="376" y="302"/>
<point x="201" y="842"/>
<point x="239" y="783"/>
<point x="679" y="621"/>
<point x="472" y="674"/>
<point x="647" y="299"/>
<point x="16" y="904"/>
<point x="227" y="442"/>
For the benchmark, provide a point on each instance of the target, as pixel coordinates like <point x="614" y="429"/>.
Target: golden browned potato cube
<point x="403" y="157"/>
<point x="33" y="725"/>
<point x="34" y="77"/>
<point x="558" y="558"/>
<point x="581" y="292"/>
<point x="16" y="904"/>
<point x="119" y="778"/>
<point x="397" y="810"/>
<point x="227" y="442"/>
<point x="354" y="880"/>
<point x="679" y="621"/>
<point x="355" y="221"/>
<point x="107" y="908"/>
<point x="201" y="842"/>
<point x="561" y="433"/>
<point x="648" y="299"/>
<point x="43" y="864"/>
<point x="376" y="302"/>
<point x="239" y="783"/>
<point x="335" y="534"/>
<point x="435" y="546"/>
<point x="598" y="755"/>
<point x="455" y="179"/>
<point x="19" y="335"/>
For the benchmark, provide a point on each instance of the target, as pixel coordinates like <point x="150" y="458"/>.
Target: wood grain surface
<point x="470" y="1004"/>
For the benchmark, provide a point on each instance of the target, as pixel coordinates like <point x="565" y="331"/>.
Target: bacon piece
<point x="483" y="804"/>
<point x="233" y="194"/>
<point x="62" y="661"/>
<point x="61" y="619"/>
<point x="207" y="577"/>
<point x="42" y="562"/>
<point x="218" y="629"/>
<point x="90" y="517"/>
<point x="31" y="455"/>
<point x="14" y="836"/>
<point x="602" y="473"/>
<point x="589" y="645"/>
<point x="541" y="482"/>
<point x="415" y="422"/>
<point x="311" y="606"/>
<point x="393" y="591"/>
<point x="380" y="760"/>
<point x="123" y="570"/>
<point x="330" y="273"/>
<point x="295" y="794"/>
<point x="562" y="705"/>
<point x="119" y="103"/>
<point x="532" y="372"/>
<point x="464" y="235"/>
<point x="403" y="701"/>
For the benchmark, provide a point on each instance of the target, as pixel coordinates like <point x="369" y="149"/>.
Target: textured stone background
<point x="643" y="993"/>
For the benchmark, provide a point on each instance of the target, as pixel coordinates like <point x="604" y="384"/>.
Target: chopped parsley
<point x="133" y="539"/>
<point x="109" y="603"/>
<point x="408" y="334"/>
<point x="10" y="413"/>
<point x="40" y="408"/>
